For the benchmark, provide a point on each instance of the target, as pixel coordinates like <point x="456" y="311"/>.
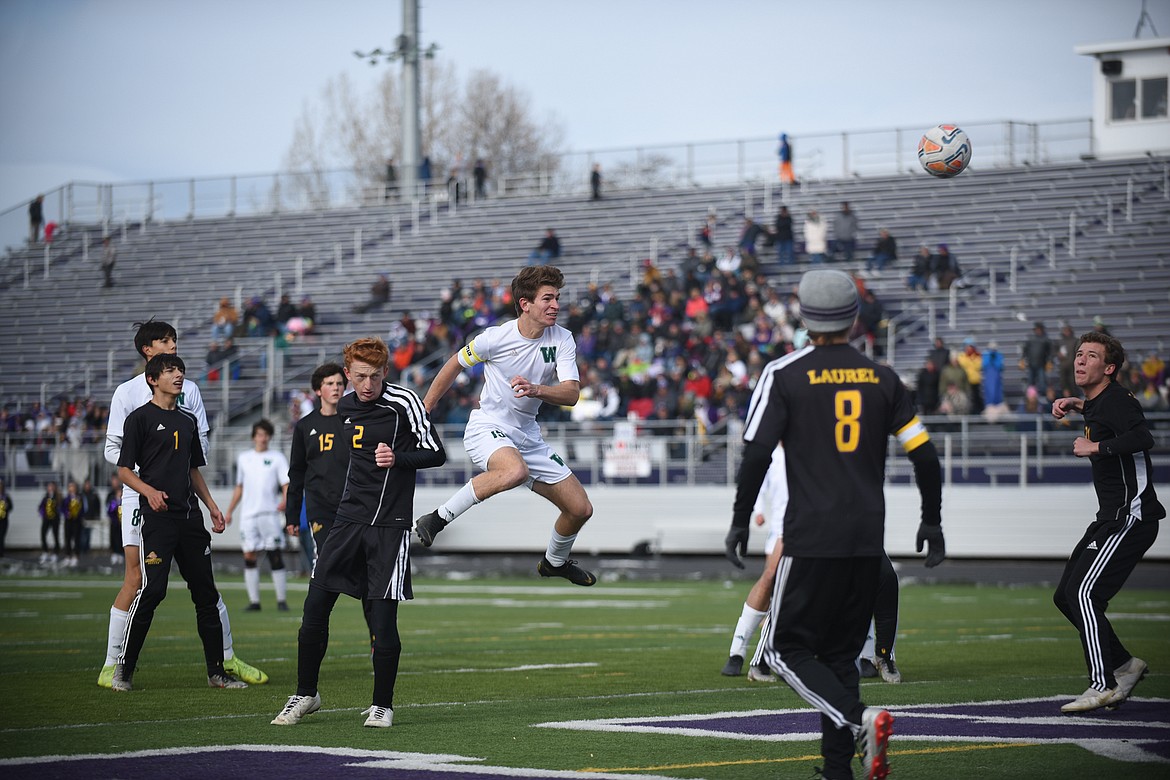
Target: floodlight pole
<point x="408" y="50"/>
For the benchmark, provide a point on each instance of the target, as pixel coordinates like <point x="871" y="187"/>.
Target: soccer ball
<point x="944" y="151"/>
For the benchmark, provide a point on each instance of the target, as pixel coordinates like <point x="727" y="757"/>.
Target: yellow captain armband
<point x="468" y="356"/>
<point x="913" y="434"/>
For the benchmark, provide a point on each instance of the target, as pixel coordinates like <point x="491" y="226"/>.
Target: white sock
<point x="226" y="625"/>
<point x="117" y="635"/>
<point x="280" y="581"/>
<point x="869" y="651"/>
<point x="252" y="584"/>
<point x="459" y="503"/>
<point x="559" y="548"/>
<point x="745" y="629"/>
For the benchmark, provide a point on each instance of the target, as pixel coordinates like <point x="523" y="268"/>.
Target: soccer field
<point x="527" y="678"/>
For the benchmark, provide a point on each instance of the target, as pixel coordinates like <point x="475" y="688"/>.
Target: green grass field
<point x="487" y="661"/>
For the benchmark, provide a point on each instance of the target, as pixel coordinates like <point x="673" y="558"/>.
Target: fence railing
<point x="1015" y="449"/>
<point x="817" y="156"/>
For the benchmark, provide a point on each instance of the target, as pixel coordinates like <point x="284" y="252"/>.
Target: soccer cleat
<point x="1128" y="676"/>
<point x="225" y="680"/>
<point x="428" y="526"/>
<point x="282" y="606"/>
<point x="296" y="708"/>
<point x="253" y="607"/>
<point x="762" y="674"/>
<point x="1093" y="699"/>
<point x="876" y="727"/>
<point x="380" y="717"/>
<point x="888" y="669"/>
<point x="106" y="676"/>
<point x="122" y="679"/>
<point x="733" y="667"/>
<point x="569" y="570"/>
<point x="245" y="671"/>
<point x="868" y="667"/>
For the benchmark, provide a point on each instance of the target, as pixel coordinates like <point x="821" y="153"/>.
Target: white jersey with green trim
<point x="506" y="353"/>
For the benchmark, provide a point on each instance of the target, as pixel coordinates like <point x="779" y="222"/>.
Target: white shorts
<point x="484" y="436"/>
<point x="262" y="532"/>
<point x="131" y="519"/>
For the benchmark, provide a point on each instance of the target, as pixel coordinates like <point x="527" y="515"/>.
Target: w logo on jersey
<point x="549" y="354"/>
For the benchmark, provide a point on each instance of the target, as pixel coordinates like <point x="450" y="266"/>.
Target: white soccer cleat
<point x="1093" y="699"/>
<point x="296" y="708"/>
<point x="1128" y="676"/>
<point x="379" y="717"/>
<point x="122" y="679"/>
<point x="876" y="727"/>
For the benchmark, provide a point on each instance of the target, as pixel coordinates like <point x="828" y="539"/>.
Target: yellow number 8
<point x="847" y="407"/>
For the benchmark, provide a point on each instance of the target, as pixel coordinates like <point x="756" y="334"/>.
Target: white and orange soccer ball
<point x="944" y="151"/>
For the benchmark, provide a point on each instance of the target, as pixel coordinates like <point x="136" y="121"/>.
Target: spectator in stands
<point x="919" y="278"/>
<point x="379" y="295"/>
<point x="785" y="151"/>
<point x="479" y="174"/>
<point x="595" y="181"/>
<point x="1066" y="350"/>
<point x="258" y="319"/>
<point x="307" y="311"/>
<point x="871" y="322"/>
<point x="940" y="353"/>
<point x="114" y="518"/>
<point x="424" y="173"/>
<point x="954" y="401"/>
<point x="548" y="249"/>
<point x="1036" y="357"/>
<point x="926" y="388"/>
<point x="971" y="361"/>
<point x="945" y="268"/>
<point x="391" y="180"/>
<point x="36" y="218"/>
<point x="993" y="405"/>
<point x="885" y="251"/>
<point x="285" y="311"/>
<point x="5" y="514"/>
<point x="214" y="358"/>
<point x="748" y="236"/>
<point x="731" y="261"/>
<point x="845" y="233"/>
<point x="784" y="238"/>
<point x="230" y="352"/>
<point x="816" y="237"/>
<point x="73" y="513"/>
<point x="91" y="512"/>
<point x="225" y="320"/>
<point x="109" y="258"/>
<point x="50" y="510"/>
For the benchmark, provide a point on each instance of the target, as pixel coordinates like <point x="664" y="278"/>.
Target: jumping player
<point x="836" y="408"/>
<point x="1117" y="443"/>
<point x="366" y="555"/>
<point x="502" y="437"/>
<point x="161" y="441"/>
<point x="261" y="482"/>
<point x="151" y="338"/>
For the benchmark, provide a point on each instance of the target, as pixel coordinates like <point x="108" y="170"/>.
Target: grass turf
<point x="485" y="661"/>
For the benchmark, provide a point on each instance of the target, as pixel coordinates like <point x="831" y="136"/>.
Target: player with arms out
<point x="151" y="338"/>
<point x="388" y="437"/>
<point x="1117" y="442"/>
<point x="162" y="442"/>
<point x="502" y="438"/>
<point x="261" y="482"/>
<point x="833" y="409"/>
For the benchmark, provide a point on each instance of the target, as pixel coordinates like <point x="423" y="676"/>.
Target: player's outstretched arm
<point x="757" y="458"/>
<point x="442" y="382"/>
<point x="928" y="476"/>
<point x="565" y="393"/>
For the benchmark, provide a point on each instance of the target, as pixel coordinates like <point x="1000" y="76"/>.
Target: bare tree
<point x="485" y="118"/>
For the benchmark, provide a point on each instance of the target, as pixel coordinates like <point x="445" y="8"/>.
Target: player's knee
<point x="250" y="563"/>
<point x="582" y="511"/>
<point x="275" y="560"/>
<point x="515" y="475"/>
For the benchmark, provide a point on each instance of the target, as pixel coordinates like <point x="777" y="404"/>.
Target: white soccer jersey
<point x="134" y="393"/>
<point x="262" y="474"/>
<point x="505" y="353"/>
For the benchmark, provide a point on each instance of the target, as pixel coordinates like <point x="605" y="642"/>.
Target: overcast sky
<point x="129" y="90"/>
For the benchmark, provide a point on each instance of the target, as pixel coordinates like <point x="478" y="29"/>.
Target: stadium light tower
<point x="406" y="48"/>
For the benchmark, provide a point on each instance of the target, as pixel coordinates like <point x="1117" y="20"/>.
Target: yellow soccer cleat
<point x="245" y="671"/>
<point x="106" y="678"/>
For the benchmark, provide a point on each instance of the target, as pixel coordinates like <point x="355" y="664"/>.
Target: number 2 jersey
<point x="379" y="496"/>
<point x="834" y="410"/>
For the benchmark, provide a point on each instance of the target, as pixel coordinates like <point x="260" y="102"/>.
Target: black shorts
<point x="365" y="561"/>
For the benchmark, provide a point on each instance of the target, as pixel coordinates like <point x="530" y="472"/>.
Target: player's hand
<point x="292" y="530"/>
<point x="217" y="521"/>
<point x="1062" y="406"/>
<point x="759" y="518"/>
<point x="735" y="545"/>
<point x="1083" y="447"/>
<point x="157" y="500"/>
<point x="384" y="456"/>
<point x="522" y="388"/>
<point x="227" y="519"/>
<point x="932" y="536"/>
